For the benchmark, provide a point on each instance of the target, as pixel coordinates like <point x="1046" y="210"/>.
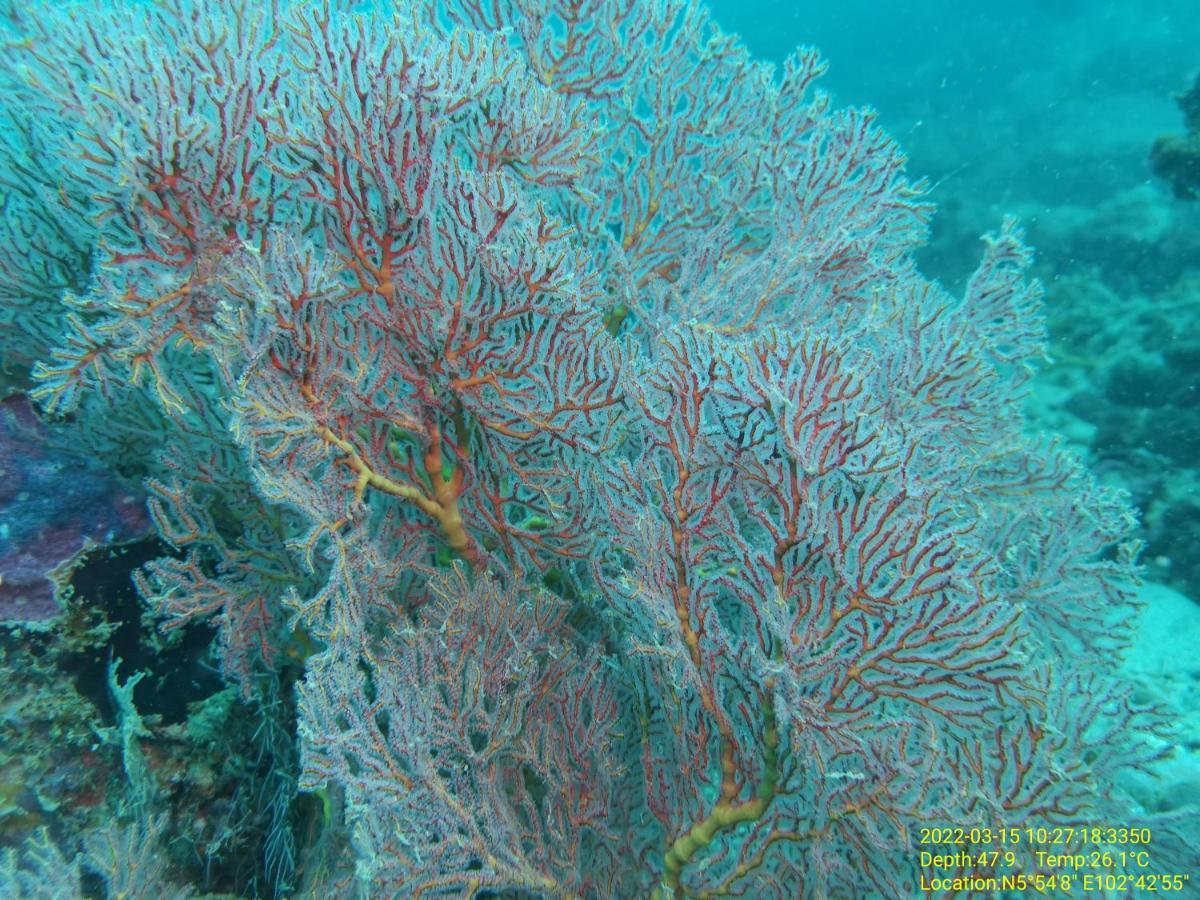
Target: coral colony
<point x="554" y="384"/>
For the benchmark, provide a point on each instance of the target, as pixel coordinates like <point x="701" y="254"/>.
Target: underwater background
<point x="1079" y="119"/>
